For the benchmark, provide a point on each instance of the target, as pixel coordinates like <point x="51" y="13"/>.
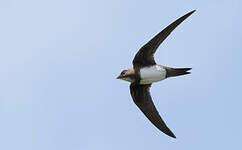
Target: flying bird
<point x="145" y="71"/>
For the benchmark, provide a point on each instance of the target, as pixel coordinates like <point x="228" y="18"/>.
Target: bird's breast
<point x="152" y="74"/>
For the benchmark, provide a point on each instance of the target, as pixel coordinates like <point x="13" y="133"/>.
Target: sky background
<point x="58" y="65"/>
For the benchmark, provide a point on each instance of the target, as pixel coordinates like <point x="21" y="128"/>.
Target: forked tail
<point x="172" y="72"/>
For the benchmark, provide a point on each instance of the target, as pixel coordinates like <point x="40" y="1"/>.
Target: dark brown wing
<point x="142" y="98"/>
<point x="145" y="56"/>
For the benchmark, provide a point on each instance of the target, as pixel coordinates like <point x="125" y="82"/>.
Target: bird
<point x="146" y="71"/>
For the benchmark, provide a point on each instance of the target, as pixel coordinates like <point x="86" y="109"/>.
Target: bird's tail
<point x="172" y="72"/>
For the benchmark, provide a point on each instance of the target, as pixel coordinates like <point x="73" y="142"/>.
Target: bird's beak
<point x="119" y="77"/>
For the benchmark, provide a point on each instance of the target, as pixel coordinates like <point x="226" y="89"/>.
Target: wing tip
<point x="173" y="136"/>
<point x="191" y="12"/>
<point x="169" y="133"/>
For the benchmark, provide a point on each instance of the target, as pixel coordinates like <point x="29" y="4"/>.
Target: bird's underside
<point x="145" y="71"/>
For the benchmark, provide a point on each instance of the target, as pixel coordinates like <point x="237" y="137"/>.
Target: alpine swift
<point x="145" y="71"/>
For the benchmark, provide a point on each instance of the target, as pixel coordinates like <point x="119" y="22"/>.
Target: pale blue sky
<point x="59" y="60"/>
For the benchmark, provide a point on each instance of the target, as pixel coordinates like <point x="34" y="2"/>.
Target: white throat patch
<point x="152" y="74"/>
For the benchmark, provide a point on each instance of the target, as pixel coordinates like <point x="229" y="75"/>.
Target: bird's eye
<point x="123" y="72"/>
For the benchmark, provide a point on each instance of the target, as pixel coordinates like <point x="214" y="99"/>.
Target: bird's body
<point x="145" y="71"/>
<point x="152" y="74"/>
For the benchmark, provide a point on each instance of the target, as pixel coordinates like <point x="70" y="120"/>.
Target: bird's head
<point x="127" y="75"/>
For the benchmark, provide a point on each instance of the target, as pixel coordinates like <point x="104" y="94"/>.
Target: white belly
<point x="152" y="74"/>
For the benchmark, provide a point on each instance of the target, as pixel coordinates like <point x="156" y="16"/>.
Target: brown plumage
<point x="145" y="55"/>
<point x="144" y="58"/>
<point x="142" y="98"/>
